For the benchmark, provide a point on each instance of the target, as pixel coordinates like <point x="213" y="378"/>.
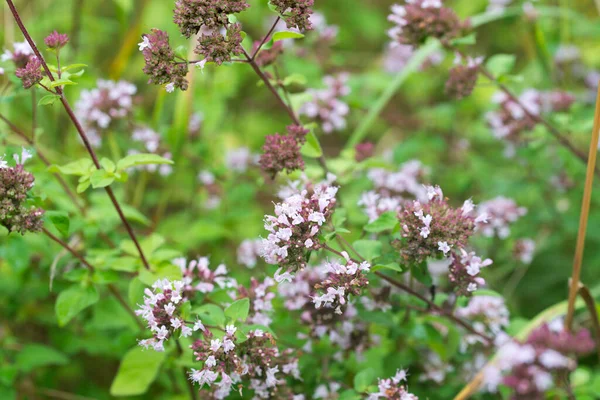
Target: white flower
<point x="162" y="333"/>
<point x="286" y="276"/>
<point x="186" y="331"/>
<point x="215" y="344"/>
<point x="25" y="155"/>
<point x="210" y="362"/>
<point x="170" y="308"/>
<point x="170" y="87"/>
<point x="144" y="44"/>
<point x="175" y="323"/>
<point x="230" y="329"/>
<point x="3" y="163"/>
<point x="228" y="345"/>
<point x="258" y="333"/>
<point x="443" y="247"/>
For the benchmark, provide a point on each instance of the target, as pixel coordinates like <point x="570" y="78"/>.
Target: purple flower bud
<point x="217" y="47"/>
<point x="283" y="152"/>
<point x="56" y="41"/>
<point x="192" y="15"/>
<point x="31" y="74"/>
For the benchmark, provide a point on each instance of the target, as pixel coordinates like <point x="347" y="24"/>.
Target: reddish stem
<point x="79" y="128"/>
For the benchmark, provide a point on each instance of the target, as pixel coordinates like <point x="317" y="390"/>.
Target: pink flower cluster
<point x="501" y="212"/>
<point x="392" y="389"/>
<point x="419" y="19"/>
<point x="248" y="252"/>
<point x="20" y="55"/>
<point x="341" y="282"/>
<point x="464" y="271"/>
<point x="513" y="118"/>
<point x="100" y="108"/>
<point x="198" y="277"/>
<point x="433" y="228"/>
<point x="294" y="228"/>
<point x="393" y="189"/>
<point x="261" y="298"/>
<point x="325" y="107"/>
<point x="530" y="368"/>
<point x="487" y="315"/>
<point x="228" y="361"/>
<point x="31" y="74"/>
<point x="162" y="311"/>
<point x="343" y="330"/>
<point x="151" y="142"/>
<point x="524" y="250"/>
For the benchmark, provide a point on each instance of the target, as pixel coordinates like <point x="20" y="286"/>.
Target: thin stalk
<point x="45" y="160"/>
<point x="288" y="109"/>
<point x="562" y="139"/>
<point x="190" y="384"/>
<point x="590" y="303"/>
<point x="583" y="219"/>
<point x="432" y="306"/>
<point x="266" y="37"/>
<point x="79" y="128"/>
<point x="113" y="290"/>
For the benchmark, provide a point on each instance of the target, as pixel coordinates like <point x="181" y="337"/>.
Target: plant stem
<point x="280" y="100"/>
<point x="432" y="306"/>
<point x="45" y="160"/>
<point x="266" y="37"/>
<point x="583" y="219"/>
<point x="563" y="140"/>
<point x="113" y="290"/>
<point x="80" y="130"/>
<point x="190" y="384"/>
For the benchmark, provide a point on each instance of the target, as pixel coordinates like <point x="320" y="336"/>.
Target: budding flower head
<point x="192" y="15"/>
<point x="295" y="13"/>
<point x="463" y="78"/>
<point x="283" y="152"/>
<point x="31" y="74"/>
<point x="56" y="41"/>
<point x="15" y="183"/>
<point x="160" y="64"/>
<point x="419" y="19"/>
<point x="218" y="47"/>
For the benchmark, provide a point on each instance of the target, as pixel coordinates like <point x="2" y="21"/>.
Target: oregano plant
<point x="296" y="199"/>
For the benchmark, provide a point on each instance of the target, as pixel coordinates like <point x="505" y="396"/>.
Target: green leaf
<point x="391" y="266"/>
<point x="80" y="167"/>
<point x="101" y="178"/>
<point x="141" y="159"/>
<point x="83" y="186"/>
<point x="277" y="36"/>
<point x="108" y="165"/>
<point x="49" y="99"/>
<point x="60" y="220"/>
<point x="137" y="371"/>
<point x="421" y="273"/>
<point x="34" y="355"/>
<point x="312" y="147"/>
<point x="368" y="249"/>
<point x="386" y="221"/>
<point x="210" y="314"/>
<point x="501" y="64"/>
<point x="363" y="379"/>
<point x="73" y="300"/>
<point x="73" y="66"/>
<point x="61" y="82"/>
<point x="238" y="310"/>
<point x="466" y="40"/>
<point x="294" y="79"/>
